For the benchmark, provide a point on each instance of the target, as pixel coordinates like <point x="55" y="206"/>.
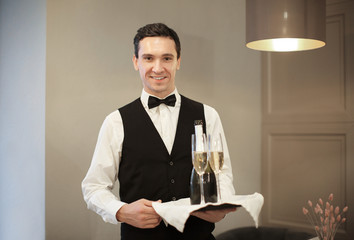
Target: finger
<point x="148" y="221"/>
<point x="151" y="215"/>
<point x="149" y="210"/>
<point x="146" y="202"/>
<point x="159" y="221"/>
<point x="152" y="223"/>
<point x="230" y="210"/>
<point x="200" y="214"/>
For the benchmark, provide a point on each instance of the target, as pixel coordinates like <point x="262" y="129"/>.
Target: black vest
<point x="148" y="171"/>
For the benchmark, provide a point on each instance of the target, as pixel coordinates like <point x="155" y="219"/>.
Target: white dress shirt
<point x="101" y="177"/>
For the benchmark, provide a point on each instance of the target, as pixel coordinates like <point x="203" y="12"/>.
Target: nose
<point x="158" y="67"/>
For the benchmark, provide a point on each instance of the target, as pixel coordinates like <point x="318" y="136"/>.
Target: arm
<point x="98" y="184"/>
<point x="99" y="181"/>
<point x="213" y="127"/>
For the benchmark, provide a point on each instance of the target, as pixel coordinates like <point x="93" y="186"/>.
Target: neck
<point x="161" y="95"/>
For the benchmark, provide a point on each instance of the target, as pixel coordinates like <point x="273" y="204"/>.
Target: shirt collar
<point x="145" y="97"/>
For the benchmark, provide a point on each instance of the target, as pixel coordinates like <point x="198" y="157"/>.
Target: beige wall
<point x="90" y="74"/>
<point x="308" y="126"/>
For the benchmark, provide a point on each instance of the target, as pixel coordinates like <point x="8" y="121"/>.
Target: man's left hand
<point x="213" y="215"/>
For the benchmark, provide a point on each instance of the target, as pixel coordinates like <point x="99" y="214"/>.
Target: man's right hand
<point x="139" y="214"/>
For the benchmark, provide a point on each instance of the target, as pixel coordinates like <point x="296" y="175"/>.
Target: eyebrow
<point x="163" y="55"/>
<point x="168" y="55"/>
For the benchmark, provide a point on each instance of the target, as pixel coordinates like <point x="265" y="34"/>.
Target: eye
<point x="147" y="58"/>
<point x="167" y="59"/>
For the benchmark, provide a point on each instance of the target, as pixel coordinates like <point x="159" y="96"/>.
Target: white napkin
<point x="176" y="213"/>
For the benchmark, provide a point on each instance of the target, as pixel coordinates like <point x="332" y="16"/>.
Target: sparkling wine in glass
<point x="216" y="157"/>
<point x="200" y="159"/>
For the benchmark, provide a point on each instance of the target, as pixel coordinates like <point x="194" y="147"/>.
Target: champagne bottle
<point x="209" y="179"/>
<point x="194" y="188"/>
<point x="210" y="185"/>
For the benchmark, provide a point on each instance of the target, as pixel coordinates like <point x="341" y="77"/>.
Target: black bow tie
<point x="154" y="101"/>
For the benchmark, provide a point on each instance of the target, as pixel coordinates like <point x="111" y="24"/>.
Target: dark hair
<point x="156" y="30"/>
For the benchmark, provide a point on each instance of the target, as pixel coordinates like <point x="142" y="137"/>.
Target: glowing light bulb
<point x="285" y="44"/>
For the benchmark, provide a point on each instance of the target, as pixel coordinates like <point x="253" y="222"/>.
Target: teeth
<point x="158" y="78"/>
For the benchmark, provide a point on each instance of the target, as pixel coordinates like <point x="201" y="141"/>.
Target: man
<point x="147" y="147"/>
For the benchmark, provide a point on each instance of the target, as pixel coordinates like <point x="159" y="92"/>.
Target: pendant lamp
<point x="285" y="25"/>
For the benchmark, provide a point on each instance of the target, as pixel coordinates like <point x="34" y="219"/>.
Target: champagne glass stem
<point x="218" y="187"/>
<point x="202" y="201"/>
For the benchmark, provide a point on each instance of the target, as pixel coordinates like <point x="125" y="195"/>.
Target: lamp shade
<point x="285" y="25"/>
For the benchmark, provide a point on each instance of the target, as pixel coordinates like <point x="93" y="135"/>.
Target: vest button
<point x="173" y="198"/>
<point x="171" y="163"/>
<point x="172" y="180"/>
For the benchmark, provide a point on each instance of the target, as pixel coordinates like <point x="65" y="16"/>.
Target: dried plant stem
<point x="311" y="220"/>
<point x="325" y="218"/>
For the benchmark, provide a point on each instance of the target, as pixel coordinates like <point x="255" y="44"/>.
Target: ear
<point x="135" y="62"/>
<point x="178" y="63"/>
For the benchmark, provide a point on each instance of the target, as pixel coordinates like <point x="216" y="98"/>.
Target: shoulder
<point x="191" y="103"/>
<point x="210" y="110"/>
<point x="130" y="105"/>
<point x="194" y="102"/>
<point x="112" y="120"/>
<point x="111" y="127"/>
<point x="211" y="115"/>
<point x="185" y="99"/>
<point x="113" y="117"/>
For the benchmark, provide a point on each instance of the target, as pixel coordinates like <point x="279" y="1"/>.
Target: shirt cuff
<point x="112" y="208"/>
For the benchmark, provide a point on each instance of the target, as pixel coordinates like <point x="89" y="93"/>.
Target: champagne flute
<point x="216" y="157"/>
<point x="200" y="160"/>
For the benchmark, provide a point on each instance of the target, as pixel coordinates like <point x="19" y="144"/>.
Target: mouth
<point x="157" y="78"/>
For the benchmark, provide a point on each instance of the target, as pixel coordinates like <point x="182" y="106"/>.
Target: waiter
<point x="146" y="145"/>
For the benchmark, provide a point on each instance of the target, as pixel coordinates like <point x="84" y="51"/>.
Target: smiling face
<point x="157" y="64"/>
